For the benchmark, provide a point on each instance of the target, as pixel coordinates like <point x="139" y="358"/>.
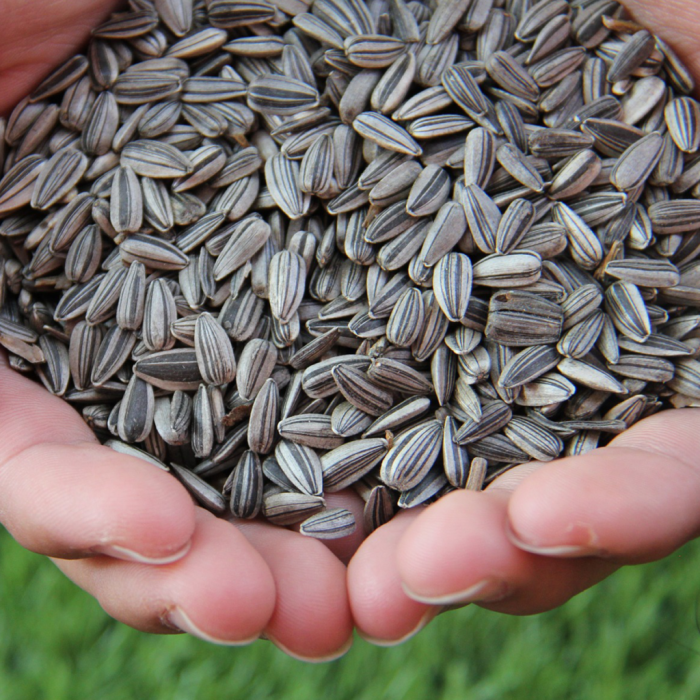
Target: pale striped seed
<point x="555" y="67"/>
<point x="425" y="103"/>
<point x="429" y="191"/>
<point x="172" y="418"/>
<point x="280" y="95"/>
<point x="548" y="389"/>
<point x="527" y="365"/>
<point x="246" y="238"/>
<point x="287" y="280"/>
<point x="637" y="163"/>
<point x="202" y="435"/>
<point x="590" y="375"/>
<point x="55" y="374"/>
<point x="157" y="207"/>
<point x="585" y="247"/>
<point x="126" y="203"/>
<point x="301" y="465"/>
<point x="412" y="455"/>
<point x="316" y="169"/>
<point x="329" y="524"/>
<point x="200" y="490"/>
<point x="310" y="429"/>
<point x="626" y="307"/>
<point x="482" y="215"/>
<point x="62" y="78"/>
<point x="645" y="272"/>
<point x="514" y="224"/>
<point x="579" y="340"/>
<point x="142" y="87"/>
<point x="103" y="304"/>
<point x="532" y="438"/>
<point x="84" y="255"/>
<point x="246" y="487"/>
<point x="132" y="451"/>
<point x="151" y="158"/>
<point x="215" y="356"/>
<point x="577" y="174"/>
<point x="71" y="220"/>
<point x="361" y="391"/>
<point x="199" y="43"/>
<point x="379" y="508"/>
<point x="154" y="253"/>
<point x="84" y="344"/>
<point x="505" y="70"/>
<point x="171" y="370"/>
<point x="686" y="380"/>
<point x="455" y="457"/>
<point x="645" y="367"/>
<point x="398" y="376"/>
<point x="392" y="88"/>
<point x="516" y="269"/>
<point x="348" y="420"/>
<point x="59" y="175"/>
<point x="519" y="319"/>
<point x="263" y="418"/>
<point x="631" y="56"/>
<point x="657" y="345"/>
<point x="465" y="91"/>
<point x="443" y="373"/>
<point x="452" y="284"/>
<point x="372" y="50"/>
<point x="255" y="366"/>
<point x="382" y="131"/>
<point x="290" y="508"/>
<point x="434" y="483"/>
<point x="136" y="411"/>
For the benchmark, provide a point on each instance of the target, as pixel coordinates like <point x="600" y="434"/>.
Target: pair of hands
<point x="130" y="535"/>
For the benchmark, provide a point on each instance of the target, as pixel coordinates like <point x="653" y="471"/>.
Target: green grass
<point x="633" y="636"/>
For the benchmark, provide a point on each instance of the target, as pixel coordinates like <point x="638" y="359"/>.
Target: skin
<point x="130" y="535"/>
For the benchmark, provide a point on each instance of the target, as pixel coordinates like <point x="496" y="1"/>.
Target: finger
<point x="65" y="495"/>
<point x="221" y="591"/>
<point x="633" y="501"/>
<point x="675" y="21"/>
<point x="383" y="613"/>
<point x="36" y="37"/>
<point x="312" y="619"/>
<point x="457" y="551"/>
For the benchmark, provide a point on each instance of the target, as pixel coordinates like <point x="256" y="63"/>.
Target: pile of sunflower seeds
<point x="286" y="247"/>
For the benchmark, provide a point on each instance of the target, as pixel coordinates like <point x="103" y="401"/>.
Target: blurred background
<point x="636" y="635"/>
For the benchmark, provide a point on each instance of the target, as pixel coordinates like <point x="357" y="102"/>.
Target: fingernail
<point x="428" y="616"/>
<point x="114" y="550"/>
<point x="577" y="531"/>
<point x="311" y="659"/>
<point x="487" y="591"/>
<point x="178" y="618"/>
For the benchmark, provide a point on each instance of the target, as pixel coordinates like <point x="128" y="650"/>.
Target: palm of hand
<point x="539" y="535"/>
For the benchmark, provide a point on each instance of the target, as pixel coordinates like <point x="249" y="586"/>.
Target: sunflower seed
<point x="329" y="524"/>
<point x="385" y="133"/>
<point x="200" y="490"/>
<point x="301" y="465"/>
<point x="413" y="454"/>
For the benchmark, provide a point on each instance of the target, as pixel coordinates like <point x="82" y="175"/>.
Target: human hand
<point x="542" y="533"/>
<point x="108" y="519"/>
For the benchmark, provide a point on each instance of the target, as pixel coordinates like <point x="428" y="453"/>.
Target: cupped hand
<point x="129" y="534"/>
<point x="123" y="530"/>
<point x="542" y="533"/>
